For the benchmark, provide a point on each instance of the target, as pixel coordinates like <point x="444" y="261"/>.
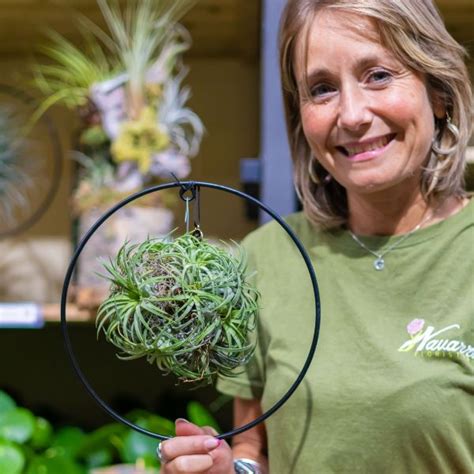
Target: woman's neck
<point x="393" y="215"/>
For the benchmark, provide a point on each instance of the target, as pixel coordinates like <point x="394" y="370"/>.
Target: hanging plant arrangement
<point x="185" y="305"/>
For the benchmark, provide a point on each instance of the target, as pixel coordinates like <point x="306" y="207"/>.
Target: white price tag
<point x="20" y="315"/>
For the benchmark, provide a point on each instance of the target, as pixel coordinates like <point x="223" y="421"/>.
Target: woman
<point x="378" y="107"/>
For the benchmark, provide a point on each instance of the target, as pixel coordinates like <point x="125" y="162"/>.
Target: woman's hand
<point x="196" y="450"/>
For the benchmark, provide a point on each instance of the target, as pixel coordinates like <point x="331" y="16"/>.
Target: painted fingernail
<point x="212" y="443"/>
<point x="181" y="420"/>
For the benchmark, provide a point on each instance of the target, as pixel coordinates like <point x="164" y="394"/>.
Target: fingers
<point x="194" y="450"/>
<point x="192" y="463"/>
<point x="209" y="430"/>
<point x="187" y="445"/>
<point x="185" y="428"/>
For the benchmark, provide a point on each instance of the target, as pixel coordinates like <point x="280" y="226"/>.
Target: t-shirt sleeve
<point x="249" y="380"/>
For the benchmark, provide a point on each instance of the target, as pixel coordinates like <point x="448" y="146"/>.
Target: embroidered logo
<point x="434" y="343"/>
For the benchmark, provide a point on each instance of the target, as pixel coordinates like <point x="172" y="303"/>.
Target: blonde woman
<point x="378" y="107"/>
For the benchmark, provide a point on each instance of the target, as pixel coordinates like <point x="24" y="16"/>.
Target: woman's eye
<point x="379" y="76"/>
<point x="322" y="90"/>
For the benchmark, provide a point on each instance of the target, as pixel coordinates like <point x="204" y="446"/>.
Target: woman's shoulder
<point x="294" y="221"/>
<point x="458" y="224"/>
<point x="272" y="234"/>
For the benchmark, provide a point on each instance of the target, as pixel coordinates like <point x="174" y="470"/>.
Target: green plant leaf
<point x="68" y="441"/>
<point x="137" y="446"/>
<point x="12" y="459"/>
<point x="101" y="437"/>
<point x="99" y="458"/>
<point x="53" y="462"/>
<point x="160" y="425"/>
<point x="200" y="416"/>
<point x="99" y="447"/>
<point x="42" y="434"/>
<point x="17" y="425"/>
<point x="6" y="402"/>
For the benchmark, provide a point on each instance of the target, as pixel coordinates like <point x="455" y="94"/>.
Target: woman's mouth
<point x="367" y="149"/>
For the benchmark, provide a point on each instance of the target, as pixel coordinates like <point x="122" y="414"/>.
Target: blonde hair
<point x="415" y="33"/>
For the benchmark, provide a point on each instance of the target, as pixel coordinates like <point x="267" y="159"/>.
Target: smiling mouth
<point x="358" y="148"/>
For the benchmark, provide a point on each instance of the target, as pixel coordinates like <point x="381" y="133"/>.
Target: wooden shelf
<point x="52" y="313"/>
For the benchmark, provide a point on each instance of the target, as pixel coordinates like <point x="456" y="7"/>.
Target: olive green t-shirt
<point x="390" y="388"/>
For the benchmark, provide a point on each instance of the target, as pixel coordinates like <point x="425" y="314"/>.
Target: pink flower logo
<point x="415" y="326"/>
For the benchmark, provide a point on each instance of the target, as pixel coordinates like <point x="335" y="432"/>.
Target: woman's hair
<point x="415" y="33"/>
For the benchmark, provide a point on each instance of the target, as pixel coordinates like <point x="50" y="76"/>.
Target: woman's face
<point x="369" y="121"/>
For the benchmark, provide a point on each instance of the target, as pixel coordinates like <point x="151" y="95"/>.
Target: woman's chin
<point x="368" y="186"/>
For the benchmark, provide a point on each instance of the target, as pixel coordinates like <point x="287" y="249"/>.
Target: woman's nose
<point x="354" y="110"/>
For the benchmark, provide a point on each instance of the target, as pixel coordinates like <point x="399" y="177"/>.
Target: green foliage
<point x="68" y="441"/>
<point x="6" y="403"/>
<point x="42" y="434"/>
<point x="12" y="459"/>
<point x="17" y="425"/>
<point x="29" y="445"/>
<point x="183" y="304"/>
<point x="67" y="77"/>
<point x="201" y="416"/>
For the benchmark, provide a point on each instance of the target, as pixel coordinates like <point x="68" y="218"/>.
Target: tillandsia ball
<point x="185" y="305"/>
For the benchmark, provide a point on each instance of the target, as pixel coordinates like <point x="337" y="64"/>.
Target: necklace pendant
<point x="379" y="264"/>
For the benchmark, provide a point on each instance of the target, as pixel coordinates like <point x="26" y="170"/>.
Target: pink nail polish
<point x="212" y="443"/>
<point x="182" y="420"/>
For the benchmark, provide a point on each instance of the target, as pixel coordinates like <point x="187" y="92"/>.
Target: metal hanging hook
<point x="188" y="192"/>
<point x="186" y="214"/>
<point x="197" y="232"/>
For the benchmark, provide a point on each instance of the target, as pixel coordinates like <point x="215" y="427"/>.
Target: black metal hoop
<point x="57" y="164"/>
<point x="190" y="184"/>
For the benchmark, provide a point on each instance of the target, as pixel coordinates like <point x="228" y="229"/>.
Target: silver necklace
<point x="379" y="262"/>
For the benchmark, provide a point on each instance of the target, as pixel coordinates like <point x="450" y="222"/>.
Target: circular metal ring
<point x="294" y="238"/>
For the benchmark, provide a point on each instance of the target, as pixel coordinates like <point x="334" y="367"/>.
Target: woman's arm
<point x="251" y="444"/>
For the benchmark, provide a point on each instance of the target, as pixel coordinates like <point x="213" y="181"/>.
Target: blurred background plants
<point x="29" y="444"/>
<point x="14" y="178"/>
<point x="125" y="84"/>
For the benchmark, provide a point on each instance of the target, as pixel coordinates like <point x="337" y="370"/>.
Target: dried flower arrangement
<point x="185" y="305"/>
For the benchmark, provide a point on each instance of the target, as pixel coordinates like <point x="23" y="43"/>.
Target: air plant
<point x="72" y="71"/>
<point x="137" y="37"/>
<point x="185" y="305"/>
<point x="183" y="126"/>
<point x="14" y="180"/>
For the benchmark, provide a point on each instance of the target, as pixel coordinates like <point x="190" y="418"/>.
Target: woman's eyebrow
<point x="361" y="63"/>
<point x="318" y="73"/>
